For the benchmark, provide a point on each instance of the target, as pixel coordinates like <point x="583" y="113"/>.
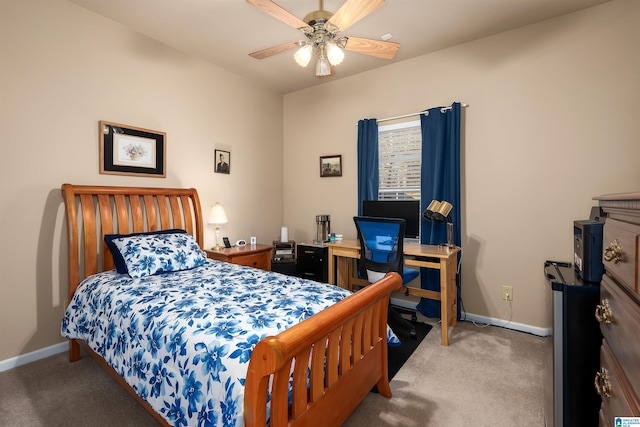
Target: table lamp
<point x="217" y="216"/>
<point x="441" y="212"/>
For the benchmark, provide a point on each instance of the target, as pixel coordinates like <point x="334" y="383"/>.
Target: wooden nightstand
<point x="257" y="256"/>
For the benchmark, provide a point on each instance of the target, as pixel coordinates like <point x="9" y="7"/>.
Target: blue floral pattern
<point x="183" y="340"/>
<point x="148" y="254"/>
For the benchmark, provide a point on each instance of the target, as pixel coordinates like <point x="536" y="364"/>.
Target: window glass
<point x="399" y="156"/>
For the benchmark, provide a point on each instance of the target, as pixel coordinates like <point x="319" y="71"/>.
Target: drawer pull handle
<point x="603" y="312"/>
<point x="613" y="252"/>
<point x="254" y="263"/>
<point x="602" y="384"/>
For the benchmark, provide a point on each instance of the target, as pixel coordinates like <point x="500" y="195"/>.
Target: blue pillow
<point x="118" y="259"/>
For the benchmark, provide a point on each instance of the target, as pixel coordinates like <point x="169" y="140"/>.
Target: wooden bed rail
<point x="346" y="358"/>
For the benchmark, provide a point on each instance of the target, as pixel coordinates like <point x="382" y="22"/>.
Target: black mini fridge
<point x="573" y="350"/>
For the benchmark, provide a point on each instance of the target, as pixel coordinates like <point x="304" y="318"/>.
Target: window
<point x="399" y="157"/>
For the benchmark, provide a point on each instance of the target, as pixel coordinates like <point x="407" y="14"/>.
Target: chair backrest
<point x="381" y="244"/>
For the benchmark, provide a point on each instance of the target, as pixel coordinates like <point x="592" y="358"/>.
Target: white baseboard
<point x="23" y="359"/>
<point x="535" y="330"/>
<point x="411" y="305"/>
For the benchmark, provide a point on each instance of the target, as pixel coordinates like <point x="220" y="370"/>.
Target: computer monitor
<point x="409" y="210"/>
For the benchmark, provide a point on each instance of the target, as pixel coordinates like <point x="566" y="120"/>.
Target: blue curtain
<point x="440" y="180"/>
<point x="368" y="173"/>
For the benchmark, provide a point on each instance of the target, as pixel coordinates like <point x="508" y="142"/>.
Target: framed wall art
<point x="129" y="150"/>
<point x="222" y="161"/>
<point x="331" y="165"/>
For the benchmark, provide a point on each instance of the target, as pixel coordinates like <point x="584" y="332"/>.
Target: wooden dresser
<point x="618" y="381"/>
<point x="257" y="256"/>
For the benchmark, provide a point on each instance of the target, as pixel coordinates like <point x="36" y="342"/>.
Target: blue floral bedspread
<point x="183" y="340"/>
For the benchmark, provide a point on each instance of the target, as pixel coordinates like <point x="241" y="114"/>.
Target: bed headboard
<point x="93" y="211"/>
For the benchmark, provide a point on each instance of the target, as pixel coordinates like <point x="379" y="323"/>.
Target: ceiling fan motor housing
<point x="317" y="17"/>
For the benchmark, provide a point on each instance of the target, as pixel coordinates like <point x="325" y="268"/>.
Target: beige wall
<point x="62" y="69"/>
<point x="552" y="122"/>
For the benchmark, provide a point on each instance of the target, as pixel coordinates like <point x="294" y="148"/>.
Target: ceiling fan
<point x="323" y="32"/>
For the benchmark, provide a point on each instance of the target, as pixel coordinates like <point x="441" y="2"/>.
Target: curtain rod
<point x="443" y="109"/>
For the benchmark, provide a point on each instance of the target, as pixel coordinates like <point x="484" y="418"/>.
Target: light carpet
<point x="486" y="377"/>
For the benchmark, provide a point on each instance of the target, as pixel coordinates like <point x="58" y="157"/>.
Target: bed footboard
<point x="329" y="361"/>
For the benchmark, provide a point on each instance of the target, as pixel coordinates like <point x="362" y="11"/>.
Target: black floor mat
<point x="397" y="356"/>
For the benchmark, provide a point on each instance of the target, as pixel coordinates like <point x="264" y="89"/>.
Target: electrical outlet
<point x="507" y="293"/>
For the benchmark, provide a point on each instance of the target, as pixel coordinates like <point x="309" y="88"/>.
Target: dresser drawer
<point x="622" y="332"/>
<point x="621" y="401"/>
<point x="257" y="256"/>
<point x="254" y="260"/>
<point x="620" y="251"/>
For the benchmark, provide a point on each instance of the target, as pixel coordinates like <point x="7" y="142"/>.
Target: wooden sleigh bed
<point x="343" y="348"/>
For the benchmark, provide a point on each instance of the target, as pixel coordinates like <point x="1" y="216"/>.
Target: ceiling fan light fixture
<point x="335" y="55"/>
<point x="323" y="33"/>
<point x="303" y="55"/>
<point x="322" y="67"/>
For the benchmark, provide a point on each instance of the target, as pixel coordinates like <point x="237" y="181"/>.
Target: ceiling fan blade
<point x="270" y="51"/>
<point x="352" y="11"/>
<point x="270" y="8"/>
<point x="381" y="49"/>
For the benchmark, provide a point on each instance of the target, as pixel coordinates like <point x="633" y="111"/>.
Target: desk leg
<point x="448" y="297"/>
<point x="444" y="302"/>
<point x="453" y="289"/>
<point x="339" y="270"/>
<point x="331" y="267"/>
<point x="343" y="275"/>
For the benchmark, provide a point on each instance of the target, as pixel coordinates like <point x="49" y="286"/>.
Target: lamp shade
<point x="428" y="213"/>
<point x="322" y="67"/>
<point x="303" y="55"/>
<point x="217" y="215"/>
<point x="442" y="213"/>
<point x="335" y="55"/>
<point x="438" y="211"/>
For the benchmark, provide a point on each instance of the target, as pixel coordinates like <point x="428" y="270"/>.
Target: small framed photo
<point x="222" y="161"/>
<point x="129" y="150"/>
<point x="331" y="166"/>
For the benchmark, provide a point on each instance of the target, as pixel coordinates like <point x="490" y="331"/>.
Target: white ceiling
<point x="223" y="32"/>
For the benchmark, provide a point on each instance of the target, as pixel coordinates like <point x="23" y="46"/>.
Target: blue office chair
<point x="381" y="251"/>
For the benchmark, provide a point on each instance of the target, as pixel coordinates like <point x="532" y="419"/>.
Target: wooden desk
<point x="443" y="258"/>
